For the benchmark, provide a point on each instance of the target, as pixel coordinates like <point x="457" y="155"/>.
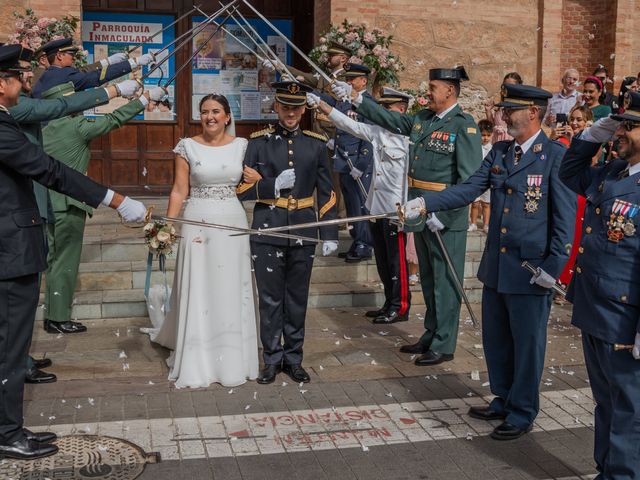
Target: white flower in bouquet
<point x="154" y="243"/>
<point x="163" y="236"/>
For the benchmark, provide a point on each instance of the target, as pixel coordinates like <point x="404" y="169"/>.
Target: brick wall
<point x="588" y="36"/>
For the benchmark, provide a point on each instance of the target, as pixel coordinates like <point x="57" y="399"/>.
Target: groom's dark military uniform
<point x="283" y="266"/>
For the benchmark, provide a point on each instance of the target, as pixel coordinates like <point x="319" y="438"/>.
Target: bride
<point x="211" y="322"/>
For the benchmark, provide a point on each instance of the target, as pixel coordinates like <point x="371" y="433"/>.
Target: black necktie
<point x="517" y="155"/>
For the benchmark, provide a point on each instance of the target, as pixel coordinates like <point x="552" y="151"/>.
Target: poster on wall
<point x="226" y="67"/>
<point x="104" y="34"/>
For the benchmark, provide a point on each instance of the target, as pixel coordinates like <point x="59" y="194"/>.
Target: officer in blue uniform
<point x="61" y="54"/>
<point x="532" y="219"/>
<point x="293" y="165"/>
<point x="605" y="289"/>
<point x="353" y="161"/>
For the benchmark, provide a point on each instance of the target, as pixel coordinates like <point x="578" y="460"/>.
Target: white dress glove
<point x="157" y="93"/>
<point x="331" y="144"/>
<point x="313" y="100"/>
<point x="127" y="88"/>
<point x="132" y="210"/>
<point x="342" y="90"/>
<point x="434" y="224"/>
<point x="636" y="347"/>
<point x="355" y="173"/>
<point x="329" y="247"/>
<point x="543" y="279"/>
<point x="143" y="60"/>
<point x="285" y="180"/>
<point x="113" y="59"/>
<point x="271" y="65"/>
<point x="413" y="208"/>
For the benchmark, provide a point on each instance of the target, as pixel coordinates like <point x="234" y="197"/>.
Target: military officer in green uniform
<point x="446" y="150"/>
<point x="68" y="139"/>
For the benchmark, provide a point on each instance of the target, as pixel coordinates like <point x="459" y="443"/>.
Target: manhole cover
<point x="83" y="457"/>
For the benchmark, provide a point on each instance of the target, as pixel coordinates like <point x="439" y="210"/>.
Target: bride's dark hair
<point x="221" y="99"/>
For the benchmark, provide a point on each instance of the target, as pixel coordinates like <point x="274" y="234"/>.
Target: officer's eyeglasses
<point x="629" y="125"/>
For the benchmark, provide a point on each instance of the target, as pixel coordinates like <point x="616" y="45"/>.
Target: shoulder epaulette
<point x="262" y="133"/>
<point x="319" y="136"/>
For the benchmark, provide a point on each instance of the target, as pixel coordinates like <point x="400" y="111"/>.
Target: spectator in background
<point x="482" y="203"/>
<point x="494" y="114"/>
<point x="606" y="97"/>
<point x="565" y="99"/>
<point x="628" y="84"/>
<point x="591" y="95"/>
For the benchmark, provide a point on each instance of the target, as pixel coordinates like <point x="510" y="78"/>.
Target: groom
<point x="293" y="163"/>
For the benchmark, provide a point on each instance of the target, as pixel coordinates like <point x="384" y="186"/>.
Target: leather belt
<point x="431" y="186"/>
<point x="289" y="203"/>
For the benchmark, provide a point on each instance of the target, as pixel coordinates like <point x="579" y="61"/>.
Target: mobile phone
<point x="561" y="119"/>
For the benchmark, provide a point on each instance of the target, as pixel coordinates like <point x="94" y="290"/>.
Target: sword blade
<point x="245" y="231"/>
<point x="321" y="223"/>
<point x="133" y="49"/>
<point x="290" y="43"/>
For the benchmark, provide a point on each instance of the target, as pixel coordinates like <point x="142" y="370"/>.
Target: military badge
<point x="620" y="222"/>
<point x="533" y="193"/>
<point x="537" y="148"/>
<point x="293" y="89"/>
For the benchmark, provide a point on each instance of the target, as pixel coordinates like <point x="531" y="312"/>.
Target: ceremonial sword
<point x="245" y="231"/>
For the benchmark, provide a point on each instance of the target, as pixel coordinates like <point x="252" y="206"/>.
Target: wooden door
<point x="137" y="159"/>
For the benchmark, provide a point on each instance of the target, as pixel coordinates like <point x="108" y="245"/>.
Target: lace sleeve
<point x="181" y="149"/>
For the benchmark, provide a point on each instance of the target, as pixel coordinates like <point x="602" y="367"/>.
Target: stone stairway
<point x="113" y="269"/>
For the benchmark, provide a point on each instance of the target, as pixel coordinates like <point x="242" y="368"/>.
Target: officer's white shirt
<point x="526" y="145"/>
<point x="390" y="162"/>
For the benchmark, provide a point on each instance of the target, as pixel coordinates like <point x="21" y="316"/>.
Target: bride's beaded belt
<point x="213" y="192"/>
<point x="290" y="203"/>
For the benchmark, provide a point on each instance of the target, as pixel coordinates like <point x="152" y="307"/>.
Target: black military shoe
<point x="356" y="257"/>
<point x="64" y="327"/>
<point x="432" y="358"/>
<point x="268" y="374"/>
<point x="343" y="254"/>
<point x="297" y="373"/>
<point x="38" y="376"/>
<point x="26" y="449"/>
<point x="485" y="413"/>
<point x="390" y="317"/>
<point x="41" y="363"/>
<point x="507" y="431"/>
<point x="415" y="348"/>
<point x="376" y="313"/>
<point x="41" y="437"/>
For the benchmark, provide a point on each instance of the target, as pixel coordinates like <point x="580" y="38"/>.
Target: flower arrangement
<point x="159" y="237"/>
<point x="33" y="32"/>
<point x="420" y="99"/>
<point x="369" y="47"/>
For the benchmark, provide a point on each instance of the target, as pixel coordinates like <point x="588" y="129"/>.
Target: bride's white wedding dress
<point x="211" y="323"/>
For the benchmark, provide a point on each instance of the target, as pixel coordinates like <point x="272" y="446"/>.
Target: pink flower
<point x="369" y="38"/>
<point x="355" y="59"/>
<point x="351" y="36"/>
<point x="422" y="101"/>
<point x="362" y="52"/>
<point x="323" y="40"/>
<point x="19" y="24"/>
<point x="341" y="30"/>
<point x="43" y="22"/>
<point x="377" y="50"/>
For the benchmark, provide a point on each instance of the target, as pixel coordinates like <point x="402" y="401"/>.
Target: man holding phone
<point x="565" y="99"/>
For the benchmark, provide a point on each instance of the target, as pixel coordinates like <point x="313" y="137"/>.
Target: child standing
<point x="482" y="203"/>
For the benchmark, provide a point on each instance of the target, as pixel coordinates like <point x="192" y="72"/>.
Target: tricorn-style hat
<point x="456" y="74"/>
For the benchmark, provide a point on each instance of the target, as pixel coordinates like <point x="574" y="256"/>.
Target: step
<point x="106" y="304"/>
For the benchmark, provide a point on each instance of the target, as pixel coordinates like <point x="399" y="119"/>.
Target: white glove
<point x="331" y="144"/>
<point x="286" y="179"/>
<point x="132" y="210"/>
<point x="543" y="279"/>
<point x="601" y="131"/>
<point x="413" y="208"/>
<point x="329" y="247"/>
<point x="636" y="347"/>
<point x="145" y="59"/>
<point x="113" y="59"/>
<point x="269" y="65"/>
<point x="127" y="88"/>
<point x="355" y="173"/>
<point x="157" y="93"/>
<point x="434" y="224"/>
<point x="313" y="100"/>
<point x="342" y="90"/>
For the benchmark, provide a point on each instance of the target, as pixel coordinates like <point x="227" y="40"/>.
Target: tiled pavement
<point x="368" y="413"/>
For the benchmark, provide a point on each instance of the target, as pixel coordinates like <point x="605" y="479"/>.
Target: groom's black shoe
<point x="296" y="372"/>
<point x="268" y="374"/>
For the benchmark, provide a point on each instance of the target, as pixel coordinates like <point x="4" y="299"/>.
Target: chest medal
<point x="533" y="195"/>
<point x="620" y="223"/>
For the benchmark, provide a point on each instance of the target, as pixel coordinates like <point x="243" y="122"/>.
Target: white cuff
<point x="106" y="201"/>
<point x="133" y="63"/>
<point x="143" y="100"/>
